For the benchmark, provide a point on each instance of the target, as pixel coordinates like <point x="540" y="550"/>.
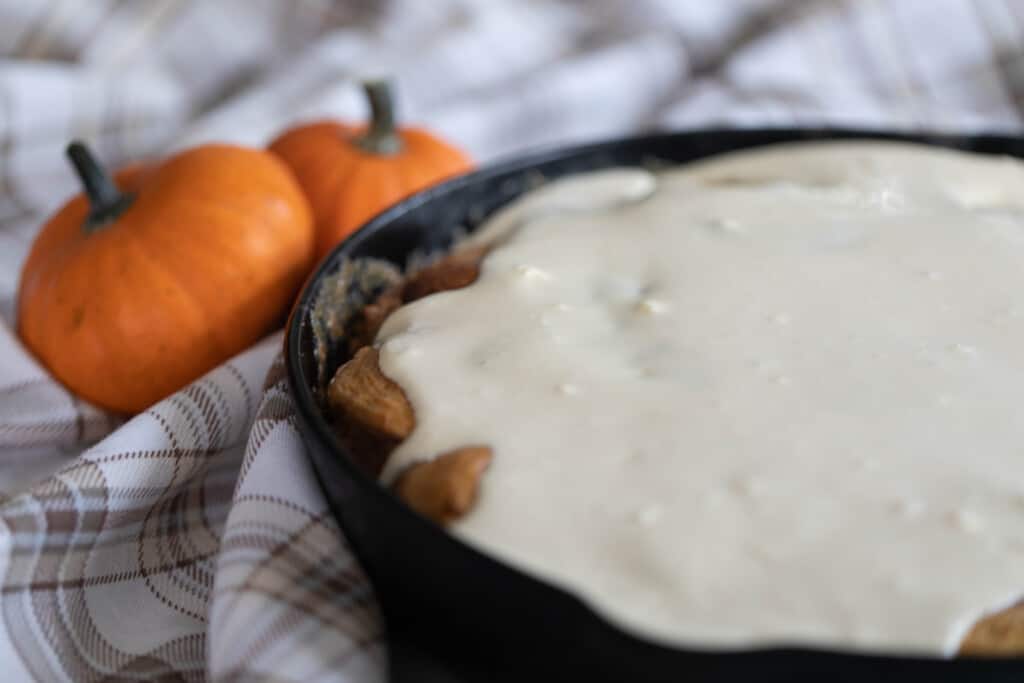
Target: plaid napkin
<point x="190" y="542"/>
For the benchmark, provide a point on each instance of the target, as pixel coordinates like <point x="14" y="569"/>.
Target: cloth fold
<point x="191" y="542"/>
<point x="191" y="539"/>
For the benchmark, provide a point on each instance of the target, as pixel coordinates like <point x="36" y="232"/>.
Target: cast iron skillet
<point x="483" y="619"/>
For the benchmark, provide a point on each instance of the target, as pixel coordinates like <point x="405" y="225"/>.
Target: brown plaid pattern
<point x="317" y="615"/>
<point x="184" y="531"/>
<point x="191" y="542"/>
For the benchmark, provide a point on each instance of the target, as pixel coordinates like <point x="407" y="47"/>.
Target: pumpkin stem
<point x="381" y="137"/>
<point x="106" y="200"/>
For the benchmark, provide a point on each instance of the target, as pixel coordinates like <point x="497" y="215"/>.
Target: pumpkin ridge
<point x="418" y="180"/>
<point x="345" y="175"/>
<point x="32" y="328"/>
<point x="214" y="261"/>
<point x="172" y="242"/>
<point x="185" y="300"/>
<point x="61" y="251"/>
<point x="42" y="273"/>
<point x="441" y="155"/>
<point x="86" y="338"/>
<point x="55" y="236"/>
<point x="227" y="210"/>
<point x="309" y="163"/>
<point x="341" y="204"/>
<point x="384" y="184"/>
<point x="414" y="177"/>
<point x="155" y="263"/>
<point x="108" y="358"/>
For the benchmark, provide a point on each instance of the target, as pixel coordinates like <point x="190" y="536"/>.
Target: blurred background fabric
<point x="190" y="542"/>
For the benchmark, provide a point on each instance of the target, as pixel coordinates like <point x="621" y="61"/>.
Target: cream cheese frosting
<point x="769" y="398"/>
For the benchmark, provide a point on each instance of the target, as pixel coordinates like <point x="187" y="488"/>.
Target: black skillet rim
<point x="318" y="428"/>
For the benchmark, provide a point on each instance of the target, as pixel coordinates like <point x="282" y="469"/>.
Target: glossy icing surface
<point x="774" y="397"/>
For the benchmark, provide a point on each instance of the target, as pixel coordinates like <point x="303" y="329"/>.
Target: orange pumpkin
<point x="136" y="288"/>
<point x="351" y="174"/>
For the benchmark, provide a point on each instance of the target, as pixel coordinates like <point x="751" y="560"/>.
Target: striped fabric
<point x="190" y="542"/>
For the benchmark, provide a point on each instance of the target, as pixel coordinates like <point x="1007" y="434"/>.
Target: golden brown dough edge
<point x="374" y="416"/>
<point x="1000" y="634"/>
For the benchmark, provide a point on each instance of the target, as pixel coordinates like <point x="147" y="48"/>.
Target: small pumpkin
<point x="150" y="279"/>
<point x="350" y="174"/>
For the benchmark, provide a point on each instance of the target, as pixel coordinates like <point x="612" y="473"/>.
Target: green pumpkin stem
<point x="381" y="137"/>
<point x="106" y="200"/>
